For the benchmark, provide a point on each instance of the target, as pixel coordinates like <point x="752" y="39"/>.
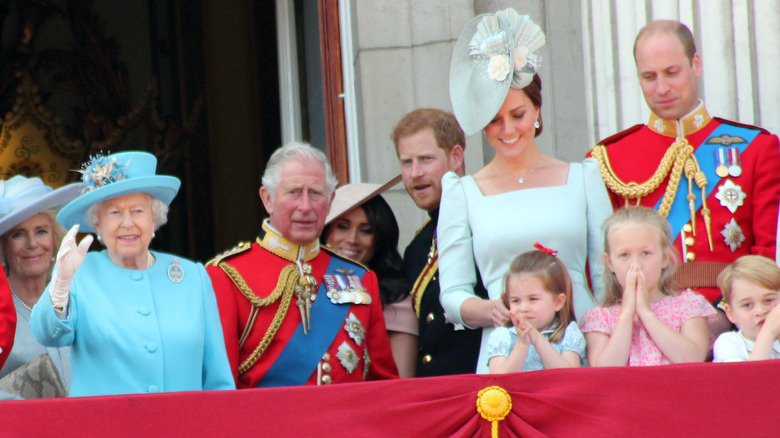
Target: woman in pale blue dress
<point x="29" y="238"/>
<point x="521" y="196"/>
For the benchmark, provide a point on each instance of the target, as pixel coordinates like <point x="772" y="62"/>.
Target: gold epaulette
<point x="238" y="249"/>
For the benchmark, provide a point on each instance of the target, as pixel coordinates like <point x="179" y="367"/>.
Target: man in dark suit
<point x="429" y="142"/>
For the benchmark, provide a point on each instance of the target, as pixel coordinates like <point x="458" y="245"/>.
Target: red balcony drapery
<point x="674" y="400"/>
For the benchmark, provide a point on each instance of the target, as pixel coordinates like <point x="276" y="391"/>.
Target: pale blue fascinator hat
<point x="114" y="175"/>
<point x="22" y="198"/>
<point x="494" y="52"/>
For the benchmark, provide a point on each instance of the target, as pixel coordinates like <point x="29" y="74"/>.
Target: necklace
<point x="19" y="298"/>
<point x="149" y="259"/>
<point x="521" y="180"/>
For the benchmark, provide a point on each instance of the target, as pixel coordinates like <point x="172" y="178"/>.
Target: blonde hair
<point x="553" y="275"/>
<point x="756" y="269"/>
<point x="57" y="233"/>
<point x="649" y="218"/>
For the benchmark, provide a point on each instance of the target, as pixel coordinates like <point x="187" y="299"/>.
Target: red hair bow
<point x="547" y="251"/>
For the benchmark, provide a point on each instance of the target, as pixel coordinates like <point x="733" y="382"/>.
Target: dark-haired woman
<point x="521" y="196"/>
<point x="362" y="226"/>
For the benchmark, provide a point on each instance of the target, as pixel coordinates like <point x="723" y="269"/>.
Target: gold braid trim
<point x="674" y="159"/>
<point x="421" y="284"/>
<point x="684" y="150"/>
<point x="285" y="287"/>
<point x="288" y="276"/>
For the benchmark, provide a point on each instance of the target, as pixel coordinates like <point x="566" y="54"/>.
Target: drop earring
<point x="536" y="124"/>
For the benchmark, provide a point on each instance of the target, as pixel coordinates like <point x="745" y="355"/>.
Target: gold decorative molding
<point x="33" y="141"/>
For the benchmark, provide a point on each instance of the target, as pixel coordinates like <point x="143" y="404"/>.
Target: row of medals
<point x="729" y="194"/>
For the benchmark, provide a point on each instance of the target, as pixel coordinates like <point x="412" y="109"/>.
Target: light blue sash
<point x="300" y="356"/>
<point x="679" y="214"/>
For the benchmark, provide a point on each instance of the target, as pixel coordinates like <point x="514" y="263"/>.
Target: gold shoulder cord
<point x="284" y="288"/>
<point x="674" y="159"/>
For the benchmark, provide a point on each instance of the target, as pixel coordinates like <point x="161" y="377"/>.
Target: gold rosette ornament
<point x="494" y="404"/>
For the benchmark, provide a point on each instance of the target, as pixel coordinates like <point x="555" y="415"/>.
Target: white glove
<point x="69" y="258"/>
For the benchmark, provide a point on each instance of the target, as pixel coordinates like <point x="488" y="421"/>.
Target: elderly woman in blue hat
<point x="29" y="238"/>
<point x="137" y="320"/>
<point x="522" y="195"/>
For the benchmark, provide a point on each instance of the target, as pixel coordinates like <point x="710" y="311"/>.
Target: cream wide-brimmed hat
<point x="22" y="198"/>
<point x="494" y="52"/>
<point x="350" y="196"/>
<point x="119" y="174"/>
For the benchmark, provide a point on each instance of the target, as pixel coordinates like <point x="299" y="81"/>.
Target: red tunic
<point x="636" y="153"/>
<point x="260" y="269"/>
<point x="7" y="319"/>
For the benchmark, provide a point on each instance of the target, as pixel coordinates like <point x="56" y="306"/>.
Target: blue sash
<point x="679" y="214"/>
<point x="300" y="356"/>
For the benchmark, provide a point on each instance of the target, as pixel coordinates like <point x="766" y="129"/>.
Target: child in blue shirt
<point x="543" y="333"/>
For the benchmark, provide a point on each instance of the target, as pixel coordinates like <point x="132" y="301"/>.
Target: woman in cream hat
<point x="137" y="320"/>
<point x="29" y="238"/>
<point x="521" y="196"/>
<point x="362" y="226"/>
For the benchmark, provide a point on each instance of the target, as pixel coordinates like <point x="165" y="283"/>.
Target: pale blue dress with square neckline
<point x="492" y="230"/>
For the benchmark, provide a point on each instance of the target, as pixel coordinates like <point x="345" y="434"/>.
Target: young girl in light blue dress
<point x="543" y="333"/>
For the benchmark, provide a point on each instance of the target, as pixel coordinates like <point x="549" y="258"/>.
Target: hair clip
<point x="547" y="251"/>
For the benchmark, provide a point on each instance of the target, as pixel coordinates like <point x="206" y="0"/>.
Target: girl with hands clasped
<point x="644" y="320"/>
<point x="543" y="333"/>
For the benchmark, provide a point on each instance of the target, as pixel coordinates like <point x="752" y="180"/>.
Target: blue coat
<point x="135" y="331"/>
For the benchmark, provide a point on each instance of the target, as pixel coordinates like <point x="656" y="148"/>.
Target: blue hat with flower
<point x="114" y="175"/>
<point x="22" y="198"/>
<point x="494" y="52"/>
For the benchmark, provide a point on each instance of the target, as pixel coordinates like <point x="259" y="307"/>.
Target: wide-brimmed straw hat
<point x="494" y="52"/>
<point x="22" y="198"/>
<point x="119" y="174"/>
<point x="350" y="196"/>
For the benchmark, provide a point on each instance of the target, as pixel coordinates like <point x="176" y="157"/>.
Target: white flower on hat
<point x="521" y="57"/>
<point x="498" y="67"/>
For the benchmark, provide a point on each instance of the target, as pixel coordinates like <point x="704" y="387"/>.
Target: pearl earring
<point x="536" y="124"/>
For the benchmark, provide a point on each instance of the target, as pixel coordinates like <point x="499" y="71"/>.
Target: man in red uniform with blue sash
<point x="717" y="181"/>
<point x="292" y="312"/>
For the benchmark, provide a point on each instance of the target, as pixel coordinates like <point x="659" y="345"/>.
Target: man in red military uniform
<point x="292" y="312"/>
<point x="716" y="181"/>
<point x="7" y="318"/>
